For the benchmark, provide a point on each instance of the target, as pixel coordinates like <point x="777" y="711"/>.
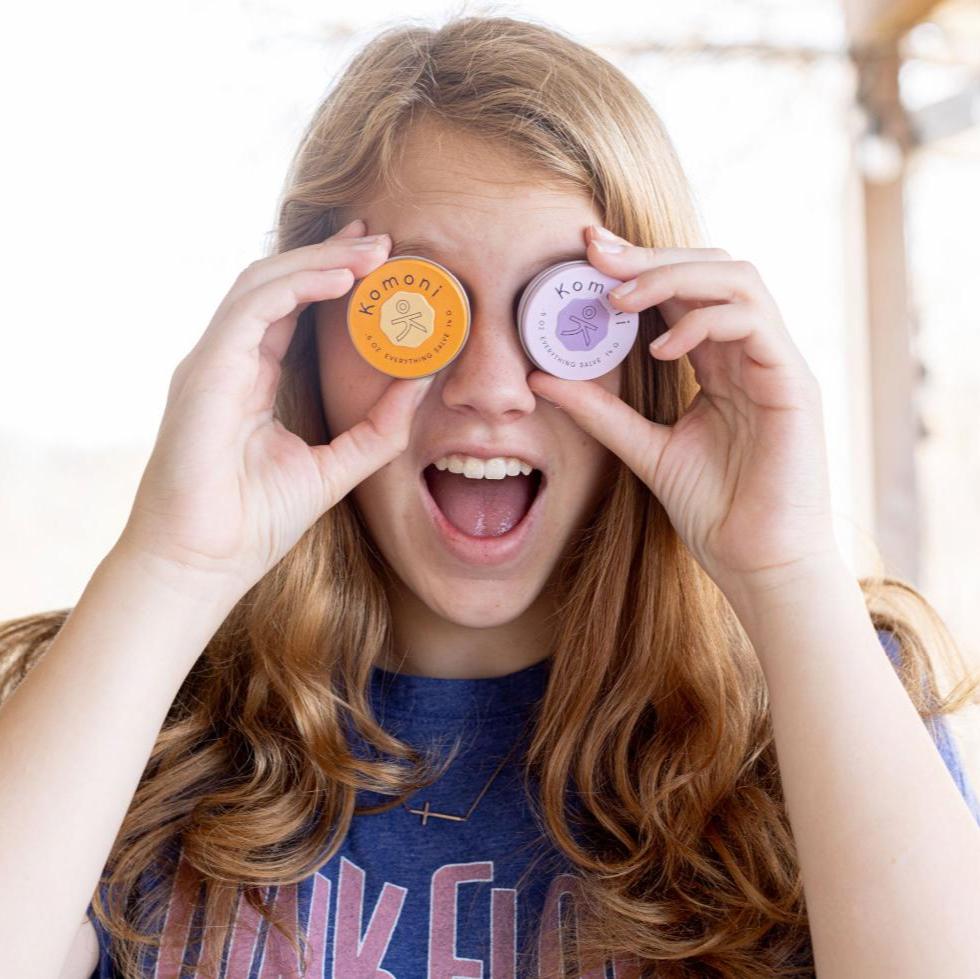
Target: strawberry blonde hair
<point x="653" y="745"/>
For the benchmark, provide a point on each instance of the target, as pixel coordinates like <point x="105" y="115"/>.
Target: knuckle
<point x="249" y="275"/>
<point x="400" y="443"/>
<point x="297" y="284"/>
<point x="746" y="277"/>
<point x="238" y="307"/>
<point x="178" y="377"/>
<point x="297" y="277"/>
<point x="647" y="252"/>
<point x="395" y="440"/>
<point x="183" y="366"/>
<point x="260" y="303"/>
<point x="744" y="267"/>
<point x="405" y="434"/>
<point x="270" y="300"/>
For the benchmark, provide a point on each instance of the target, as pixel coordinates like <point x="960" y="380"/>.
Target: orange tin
<point x="410" y="317"/>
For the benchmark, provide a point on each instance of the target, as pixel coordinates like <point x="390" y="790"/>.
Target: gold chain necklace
<point x="427" y="811"/>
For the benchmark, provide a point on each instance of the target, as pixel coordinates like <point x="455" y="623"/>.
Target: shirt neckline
<point x="442" y="697"/>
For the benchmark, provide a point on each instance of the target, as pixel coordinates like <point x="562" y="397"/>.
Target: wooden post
<point x="874" y="29"/>
<point x="893" y="367"/>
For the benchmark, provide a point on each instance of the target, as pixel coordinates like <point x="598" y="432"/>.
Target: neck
<point x="426" y="644"/>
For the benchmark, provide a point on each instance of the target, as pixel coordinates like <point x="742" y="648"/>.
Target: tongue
<point x="481" y="507"/>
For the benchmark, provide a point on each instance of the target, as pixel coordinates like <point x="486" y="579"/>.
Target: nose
<point x="488" y="378"/>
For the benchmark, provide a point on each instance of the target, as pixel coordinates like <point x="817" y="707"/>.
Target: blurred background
<point x="833" y="143"/>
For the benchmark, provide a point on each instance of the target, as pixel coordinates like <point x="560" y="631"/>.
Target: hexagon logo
<point x="582" y="324"/>
<point x="407" y="319"/>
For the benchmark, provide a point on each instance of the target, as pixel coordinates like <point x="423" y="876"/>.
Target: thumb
<point x="373" y="441"/>
<point x="637" y="440"/>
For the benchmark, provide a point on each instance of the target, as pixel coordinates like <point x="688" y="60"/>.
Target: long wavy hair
<point x="655" y="719"/>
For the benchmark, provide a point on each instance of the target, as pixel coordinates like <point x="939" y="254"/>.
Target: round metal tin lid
<point x="567" y="325"/>
<point x="410" y="317"/>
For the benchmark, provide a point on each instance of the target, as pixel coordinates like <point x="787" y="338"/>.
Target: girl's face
<point x="494" y="232"/>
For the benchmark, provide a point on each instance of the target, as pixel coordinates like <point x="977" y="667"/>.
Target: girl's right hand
<point x="228" y="490"/>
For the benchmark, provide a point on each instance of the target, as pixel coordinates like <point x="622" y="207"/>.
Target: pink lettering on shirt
<point x="356" y="957"/>
<point x="503" y="933"/>
<point x="443" y="963"/>
<point x="176" y="927"/>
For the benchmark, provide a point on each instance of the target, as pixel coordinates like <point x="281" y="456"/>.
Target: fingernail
<point x="622" y="290"/>
<point x="347" y="227"/>
<point x="371" y="242"/>
<point x="660" y="341"/>
<point x="608" y="246"/>
<point x="424" y="383"/>
<point x="604" y="233"/>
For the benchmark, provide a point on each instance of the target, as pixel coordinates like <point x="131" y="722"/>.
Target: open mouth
<point x="483" y="507"/>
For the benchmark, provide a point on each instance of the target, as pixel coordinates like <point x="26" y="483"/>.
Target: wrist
<point x="210" y="594"/>
<point x="763" y="593"/>
<point x="132" y="616"/>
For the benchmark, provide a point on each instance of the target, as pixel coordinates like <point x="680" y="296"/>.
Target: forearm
<point x="888" y="849"/>
<point x="75" y="737"/>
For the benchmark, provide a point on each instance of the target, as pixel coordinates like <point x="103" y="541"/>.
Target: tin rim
<point x="533" y="284"/>
<point x="528" y="292"/>
<point x="467" y="315"/>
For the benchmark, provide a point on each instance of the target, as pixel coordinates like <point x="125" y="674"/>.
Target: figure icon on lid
<point x="407" y="319"/>
<point x="582" y="324"/>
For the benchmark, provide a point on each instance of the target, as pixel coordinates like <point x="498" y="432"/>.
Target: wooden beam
<point x="883" y="21"/>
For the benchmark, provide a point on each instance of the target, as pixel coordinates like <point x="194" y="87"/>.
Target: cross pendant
<point x="426" y="811"/>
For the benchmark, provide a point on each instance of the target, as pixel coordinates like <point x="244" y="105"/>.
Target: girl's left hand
<point x="742" y="474"/>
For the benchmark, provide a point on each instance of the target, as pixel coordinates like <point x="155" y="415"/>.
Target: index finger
<point x="645" y="256"/>
<point x="332" y="252"/>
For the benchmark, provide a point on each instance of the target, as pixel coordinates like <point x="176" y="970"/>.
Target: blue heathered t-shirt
<point x="421" y="897"/>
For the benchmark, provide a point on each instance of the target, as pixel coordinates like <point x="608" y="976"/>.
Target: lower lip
<point x="486" y="551"/>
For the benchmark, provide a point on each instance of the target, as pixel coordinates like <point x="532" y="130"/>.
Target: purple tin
<point x="567" y="325"/>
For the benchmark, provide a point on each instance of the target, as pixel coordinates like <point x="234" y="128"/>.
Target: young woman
<point x="293" y="726"/>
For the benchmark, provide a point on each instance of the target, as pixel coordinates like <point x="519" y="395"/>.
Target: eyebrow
<point x="420" y="245"/>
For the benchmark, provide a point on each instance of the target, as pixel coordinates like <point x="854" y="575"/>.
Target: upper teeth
<point x="495" y="468"/>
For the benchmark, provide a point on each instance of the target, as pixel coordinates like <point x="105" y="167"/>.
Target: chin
<point x="479" y="604"/>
